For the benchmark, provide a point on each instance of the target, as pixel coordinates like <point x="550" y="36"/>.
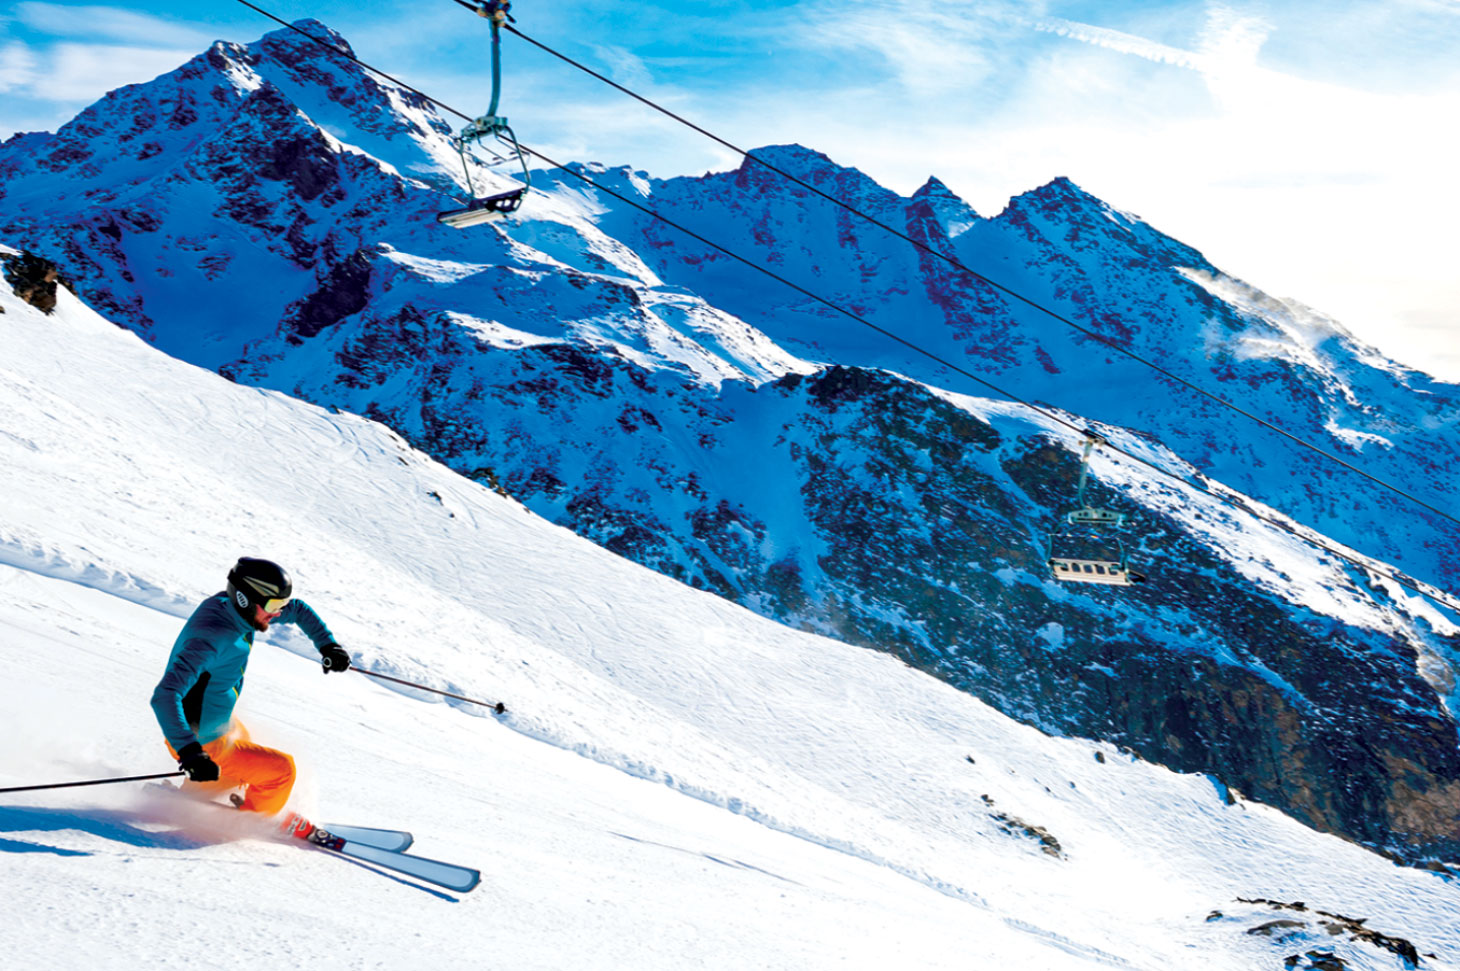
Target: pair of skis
<point x="385" y="848"/>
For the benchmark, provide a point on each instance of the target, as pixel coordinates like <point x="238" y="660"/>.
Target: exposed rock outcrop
<point x="33" y="280"/>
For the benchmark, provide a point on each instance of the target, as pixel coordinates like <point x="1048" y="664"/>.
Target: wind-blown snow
<point x="678" y="783"/>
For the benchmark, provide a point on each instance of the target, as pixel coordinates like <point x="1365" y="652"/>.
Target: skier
<point x="195" y="698"/>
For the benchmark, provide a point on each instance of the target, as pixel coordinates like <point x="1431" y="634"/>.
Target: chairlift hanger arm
<point x="491" y="124"/>
<point x="1092" y="440"/>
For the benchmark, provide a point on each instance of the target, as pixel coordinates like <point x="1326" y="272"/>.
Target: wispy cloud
<point x="71" y="54"/>
<point x="17" y="66"/>
<point x="1120" y="42"/>
<point x="80" y="73"/>
<point x="928" y="47"/>
<point x="79" y="70"/>
<point x="1301" y="178"/>
<point x="1230" y="40"/>
<point x="624" y="66"/>
<point x="108" y="23"/>
<point x="1232" y="36"/>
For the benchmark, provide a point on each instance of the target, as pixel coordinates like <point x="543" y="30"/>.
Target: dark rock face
<point x="33" y="280"/>
<point x="1308" y="922"/>
<point x="345" y="291"/>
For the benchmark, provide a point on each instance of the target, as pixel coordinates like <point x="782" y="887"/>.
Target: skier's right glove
<point x="196" y="763"/>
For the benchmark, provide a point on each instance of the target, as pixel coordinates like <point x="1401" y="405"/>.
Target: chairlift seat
<point x="1112" y="573"/>
<point x="480" y="211"/>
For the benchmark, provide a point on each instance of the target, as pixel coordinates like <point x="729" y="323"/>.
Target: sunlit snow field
<point x="677" y="783"/>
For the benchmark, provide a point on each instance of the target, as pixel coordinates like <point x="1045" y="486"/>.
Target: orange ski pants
<point x="266" y="774"/>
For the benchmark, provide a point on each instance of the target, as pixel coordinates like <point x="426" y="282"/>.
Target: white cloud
<point x="1232" y="37"/>
<point x="930" y="47"/>
<point x="84" y="72"/>
<point x="17" y="66"/>
<point x="624" y="66"/>
<point x="107" y="23"/>
<point x="76" y="72"/>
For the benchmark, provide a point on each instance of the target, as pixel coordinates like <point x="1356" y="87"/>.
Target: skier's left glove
<point x="334" y="658"/>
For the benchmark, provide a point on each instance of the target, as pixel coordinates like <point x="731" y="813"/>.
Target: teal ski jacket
<point x="195" y="698"/>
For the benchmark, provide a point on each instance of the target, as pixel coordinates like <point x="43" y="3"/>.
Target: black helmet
<point x="261" y="582"/>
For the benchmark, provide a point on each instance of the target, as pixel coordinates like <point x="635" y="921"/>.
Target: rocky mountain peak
<point x="802" y="162"/>
<point x="934" y="188"/>
<point x="952" y="213"/>
<point x="1059" y="195"/>
<point x="813" y="168"/>
<point x="291" y="44"/>
<point x="1062" y="214"/>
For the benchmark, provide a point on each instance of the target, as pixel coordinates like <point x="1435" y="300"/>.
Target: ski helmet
<point x="259" y="582"/>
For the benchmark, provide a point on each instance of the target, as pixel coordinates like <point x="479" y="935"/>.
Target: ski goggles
<point x="275" y="604"/>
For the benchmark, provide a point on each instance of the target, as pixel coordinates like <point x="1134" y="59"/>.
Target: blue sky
<point x="1307" y="147"/>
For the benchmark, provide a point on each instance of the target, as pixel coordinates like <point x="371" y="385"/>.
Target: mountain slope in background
<point x="268" y="211"/>
<point x="781" y="800"/>
<point x="1099" y="268"/>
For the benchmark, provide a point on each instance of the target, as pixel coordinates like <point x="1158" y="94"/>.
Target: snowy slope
<point x="678" y="782"/>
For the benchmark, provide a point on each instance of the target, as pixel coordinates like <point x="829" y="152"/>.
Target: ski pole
<point x="498" y="707"/>
<point x="94" y="782"/>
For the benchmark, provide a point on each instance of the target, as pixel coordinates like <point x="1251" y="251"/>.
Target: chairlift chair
<point x="1085" y="554"/>
<point x="480" y="211"/>
<point x="490" y="125"/>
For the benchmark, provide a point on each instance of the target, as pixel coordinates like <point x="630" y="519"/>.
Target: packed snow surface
<point x="677" y="782"/>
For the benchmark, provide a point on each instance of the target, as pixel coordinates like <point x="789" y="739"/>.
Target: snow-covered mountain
<point x="1101" y="269"/>
<point x="676" y="783"/>
<point x="268" y="211"/>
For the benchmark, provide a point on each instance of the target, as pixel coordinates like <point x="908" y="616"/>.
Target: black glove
<point x="196" y="763"/>
<point x="334" y="658"/>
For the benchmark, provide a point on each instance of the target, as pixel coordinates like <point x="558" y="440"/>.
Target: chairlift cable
<point x="954" y="262"/>
<point x="1435" y="592"/>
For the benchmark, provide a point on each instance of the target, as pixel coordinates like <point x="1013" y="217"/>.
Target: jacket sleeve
<point x="167" y="698"/>
<point x="303" y="616"/>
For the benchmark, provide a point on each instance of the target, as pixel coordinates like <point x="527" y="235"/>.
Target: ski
<point x="395" y="840"/>
<point x="447" y="875"/>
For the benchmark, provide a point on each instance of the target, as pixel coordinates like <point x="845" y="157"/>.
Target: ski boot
<point x="298" y="827"/>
